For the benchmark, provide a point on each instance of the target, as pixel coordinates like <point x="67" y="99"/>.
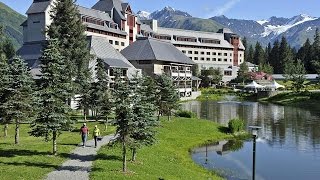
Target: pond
<point x="288" y="146"/>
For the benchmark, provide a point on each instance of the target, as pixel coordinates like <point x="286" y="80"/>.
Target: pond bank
<point x="169" y="158"/>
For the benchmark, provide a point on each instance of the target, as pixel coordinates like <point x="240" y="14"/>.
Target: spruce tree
<point x="144" y="122"/>
<point x="4" y="82"/>
<point x="259" y="56"/>
<point x="305" y="54"/>
<point x="52" y="118"/>
<point x="18" y="101"/>
<point x="285" y="55"/>
<point x="69" y="31"/>
<point x="275" y="57"/>
<point x="316" y="51"/>
<point x="243" y="73"/>
<point x="168" y="95"/>
<point x="268" y="53"/>
<point x="295" y="72"/>
<point x="250" y="55"/>
<point x="124" y="114"/>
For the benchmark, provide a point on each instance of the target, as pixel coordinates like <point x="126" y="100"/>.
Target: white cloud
<point x="224" y="8"/>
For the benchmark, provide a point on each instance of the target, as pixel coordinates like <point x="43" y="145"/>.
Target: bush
<point x="186" y="114"/>
<point x="236" y="125"/>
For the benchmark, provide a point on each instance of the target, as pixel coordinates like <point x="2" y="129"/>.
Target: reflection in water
<point x="283" y="127"/>
<point x="288" y="147"/>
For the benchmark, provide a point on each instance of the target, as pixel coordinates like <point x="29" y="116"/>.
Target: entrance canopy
<point x="254" y="85"/>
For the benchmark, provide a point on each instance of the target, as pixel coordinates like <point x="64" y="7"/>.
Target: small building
<point x="252" y="67"/>
<point x="157" y="57"/>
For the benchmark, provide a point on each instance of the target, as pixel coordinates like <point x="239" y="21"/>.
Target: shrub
<point x="186" y="114"/>
<point x="236" y="125"/>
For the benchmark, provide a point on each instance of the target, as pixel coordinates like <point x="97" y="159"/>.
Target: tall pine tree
<point x="285" y="55"/>
<point x="18" y="102"/>
<point x="259" y="56"/>
<point x="305" y="54"/>
<point x="4" y="83"/>
<point x="250" y="55"/>
<point x="68" y="30"/>
<point x="275" y="57"/>
<point x="52" y="118"/>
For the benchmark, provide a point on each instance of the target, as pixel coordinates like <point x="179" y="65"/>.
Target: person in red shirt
<point x="84" y="131"/>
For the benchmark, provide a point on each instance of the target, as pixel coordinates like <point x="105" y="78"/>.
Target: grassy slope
<point x="12" y="21"/>
<point x="31" y="159"/>
<point x="169" y="158"/>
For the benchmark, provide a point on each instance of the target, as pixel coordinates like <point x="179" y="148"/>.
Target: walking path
<point x="80" y="163"/>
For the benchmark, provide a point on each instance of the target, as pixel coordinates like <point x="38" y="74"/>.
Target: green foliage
<point x="243" y="75"/>
<point x="236" y="125"/>
<point x="211" y="76"/>
<point x="52" y="96"/>
<point x="185" y="114"/>
<point x="296" y="73"/>
<point x="267" y="68"/>
<point x="17" y="106"/>
<point x="68" y="30"/>
<point x="168" y="96"/>
<point x="4" y="81"/>
<point x="259" y="56"/>
<point x="11" y="20"/>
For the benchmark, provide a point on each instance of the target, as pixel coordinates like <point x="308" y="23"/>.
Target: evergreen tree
<point x="295" y="71"/>
<point x="195" y="70"/>
<point x="8" y="49"/>
<point x="250" y="55"/>
<point x="4" y="82"/>
<point x="52" y="118"/>
<point x="168" y="95"/>
<point x="243" y="73"/>
<point x="18" y="104"/>
<point x="275" y="57"/>
<point x="285" y="55"/>
<point x="305" y="54"/>
<point x="144" y="122"/>
<point x="124" y="114"/>
<point x="245" y="44"/>
<point x="69" y="31"/>
<point x="259" y="57"/>
<point x="267" y="68"/>
<point x="268" y="53"/>
<point x="316" y="51"/>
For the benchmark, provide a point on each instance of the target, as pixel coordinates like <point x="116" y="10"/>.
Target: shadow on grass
<point x="41" y="165"/>
<point x="223" y="129"/>
<point x="17" y="152"/>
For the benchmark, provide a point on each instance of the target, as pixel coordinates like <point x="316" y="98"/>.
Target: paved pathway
<point x="80" y="163"/>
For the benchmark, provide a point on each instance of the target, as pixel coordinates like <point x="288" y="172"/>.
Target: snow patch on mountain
<point x="143" y="14"/>
<point x="279" y="29"/>
<point x="261" y="22"/>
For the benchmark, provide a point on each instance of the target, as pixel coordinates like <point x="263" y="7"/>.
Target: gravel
<point x="79" y="165"/>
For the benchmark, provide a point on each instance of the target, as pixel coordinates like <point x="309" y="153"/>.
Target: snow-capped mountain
<point x="143" y="15"/>
<point x="274" y="29"/>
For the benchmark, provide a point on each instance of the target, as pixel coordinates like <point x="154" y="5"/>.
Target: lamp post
<point x="254" y="130"/>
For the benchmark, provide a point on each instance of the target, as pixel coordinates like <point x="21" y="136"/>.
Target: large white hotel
<point x="116" y="23"/>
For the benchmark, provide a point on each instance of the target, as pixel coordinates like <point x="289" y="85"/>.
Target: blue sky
<point x="240" y="9"/>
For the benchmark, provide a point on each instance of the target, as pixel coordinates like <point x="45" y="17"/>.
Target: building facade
<point x="115" y="21"/>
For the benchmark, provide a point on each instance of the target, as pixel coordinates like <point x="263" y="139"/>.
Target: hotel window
<point x="214" y="53"/>
<point x="122" y="43"/>
<point x="131" y="38"/>
<point x="219" y="54"/>
<point x="225" y="54"/>
<point x="219" y="59"/>
<point x="228" y="73"/>
<point x="117" y="42"/>
<point x="189" y="52"/>
<point x="225" y="60"/>
<point x="240" y="55"/>
<point x="202" y="52"/>
<point x="208" y="59"/>
<point x="202" y="59"/>
<point x="190" y="58"/>
<point x="230" y="60"/>
<point x="196" y="58"/>
<point x="196" y="52"/>
<point x="208" y="53"/>
<point x="214" y="59"/>
<point x="231" y="54"/>
<point x="36" y="22"/>
<point x="110" y="41"/>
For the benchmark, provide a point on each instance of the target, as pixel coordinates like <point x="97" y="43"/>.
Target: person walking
<point x="96" y="134"/>
<point x="84" y="131"/>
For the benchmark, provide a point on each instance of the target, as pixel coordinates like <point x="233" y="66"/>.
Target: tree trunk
<point x="124" y="156"/>
<point x="6" y="126"/>
<point x="169" y="115"/>
<point x="134" y="154"/>
<point x="158" y="115"/>
<point x="106" y="124"/>
<point x="54" y="143"/>
<point x="85" y="114"/>
<point x="16" y="137"/>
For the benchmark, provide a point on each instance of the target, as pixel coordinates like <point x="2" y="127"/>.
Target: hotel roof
<point x="38" y="6"/>
<point x="154" y="49"/>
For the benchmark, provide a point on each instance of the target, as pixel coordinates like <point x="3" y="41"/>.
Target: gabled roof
<point x="94" y="13"/>
<point x="109" y="6"/>
<point x="145" y="27"/>
<point x="38" y="6"/>
<point x="101" y="48"/>
<point x="154" y="49"/>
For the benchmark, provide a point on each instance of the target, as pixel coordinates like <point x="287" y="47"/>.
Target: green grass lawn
<point x="31" y="159"/>
<point x="168" y="159"/>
